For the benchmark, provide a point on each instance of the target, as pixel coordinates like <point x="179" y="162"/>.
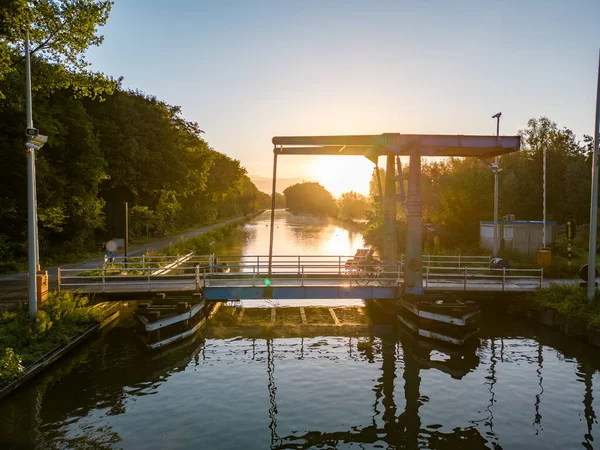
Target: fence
<point x="479" y="275"/>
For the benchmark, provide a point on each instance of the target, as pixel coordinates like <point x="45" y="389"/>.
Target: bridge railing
<point x="339" y="261"/>
<point x="482" y="275"/>
<point x="194" y="271"/>
<point x="452" y="260"/>
<point x="291" y="274"/>
<point x="197" y="276"/>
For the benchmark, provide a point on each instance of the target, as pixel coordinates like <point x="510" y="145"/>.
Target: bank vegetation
<point x="105" y="144"/>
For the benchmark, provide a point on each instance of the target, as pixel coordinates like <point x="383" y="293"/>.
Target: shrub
<point x="63" y="316"/>
<point x="571" y="302"/>
<point x="10" y="366"/>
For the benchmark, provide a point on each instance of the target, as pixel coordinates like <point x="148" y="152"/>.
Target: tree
<point x="310" y="198"/>
<point x="141" y="220"/>
<point x="353" y="206"/>
<point x="60" y="33"/>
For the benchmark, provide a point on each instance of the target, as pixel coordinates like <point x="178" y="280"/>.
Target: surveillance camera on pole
<point x="36" y="142"/>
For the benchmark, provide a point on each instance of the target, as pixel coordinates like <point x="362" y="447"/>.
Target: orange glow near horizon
<point x="340" y="174"/>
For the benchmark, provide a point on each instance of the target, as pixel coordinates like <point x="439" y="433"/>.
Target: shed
<point x="521" y="236"/>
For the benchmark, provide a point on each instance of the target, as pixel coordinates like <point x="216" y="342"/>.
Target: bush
<point x="63" y="316"/>
<point x="10" y="367"/>
<point x="570" y="301"/>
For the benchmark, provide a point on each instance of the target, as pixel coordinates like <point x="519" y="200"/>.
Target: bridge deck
<point x="290" y="288"/>
<point x="302" y="277"/>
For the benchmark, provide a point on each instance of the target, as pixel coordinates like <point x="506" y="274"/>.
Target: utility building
<point x="521" y="236"/>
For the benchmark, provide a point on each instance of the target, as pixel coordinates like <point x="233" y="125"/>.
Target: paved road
<point x="13" y="287"/>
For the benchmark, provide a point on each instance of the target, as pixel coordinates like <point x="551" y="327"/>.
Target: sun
<point x="339" y="174"/>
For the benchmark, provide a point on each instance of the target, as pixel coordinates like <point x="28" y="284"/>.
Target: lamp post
<point x="544" y="201"/>
<point x="496" y="169"/>
<point x="591" y="278"/>
<point x="34" y="141"/>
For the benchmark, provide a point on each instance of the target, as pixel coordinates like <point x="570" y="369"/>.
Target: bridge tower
<point x="413" y="274"/>
<point x="390" y="247"/>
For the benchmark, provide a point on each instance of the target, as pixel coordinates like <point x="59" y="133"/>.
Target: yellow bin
<point x="544" y="257"/>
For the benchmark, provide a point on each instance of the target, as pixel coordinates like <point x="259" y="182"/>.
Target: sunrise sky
<point x="249" y="70"/>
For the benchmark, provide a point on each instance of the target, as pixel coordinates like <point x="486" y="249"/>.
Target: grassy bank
<point x="24" y="340"/>
<point x="565" y="308"/>
<point x="208" y="242"/>
<point x="204" y="243"/>
<point x="571" y="303"/>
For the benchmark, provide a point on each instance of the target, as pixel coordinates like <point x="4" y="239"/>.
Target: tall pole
<point x="390" y="248"/>
<point x="496" y="170"/>
<point x="31" y="200"/>
<point x="272" y="209"/>
<point x="544" y="201"/>
<point x="591" y="283"/>
<point x="413" y="274"/>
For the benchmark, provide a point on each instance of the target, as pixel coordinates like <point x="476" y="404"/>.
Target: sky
<point x="250" y="70"/>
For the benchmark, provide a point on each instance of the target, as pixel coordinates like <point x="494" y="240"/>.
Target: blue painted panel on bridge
<point x="299" y="292"/>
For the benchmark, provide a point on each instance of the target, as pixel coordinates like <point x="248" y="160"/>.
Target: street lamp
<point x="496" y="169"/>
<point x="34" y="141"/>
<point x="591" y="278"/>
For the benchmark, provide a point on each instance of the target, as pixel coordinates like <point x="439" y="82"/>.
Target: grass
<point x="24" y="340"/>
<point x="204" y="243"/>
<point x="570" y="302"/>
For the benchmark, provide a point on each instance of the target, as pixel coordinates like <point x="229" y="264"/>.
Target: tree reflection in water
<point x="58" y="411"/>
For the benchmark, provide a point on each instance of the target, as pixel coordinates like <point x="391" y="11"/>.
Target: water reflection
<point x="422" y="395"/>
<point x="300" y="235"/>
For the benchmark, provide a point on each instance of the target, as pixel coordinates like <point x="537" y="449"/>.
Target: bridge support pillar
<point x="413" y="275"/>
<point x="390" y="246"/>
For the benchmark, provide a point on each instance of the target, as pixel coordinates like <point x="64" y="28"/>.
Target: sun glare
<point x="339" y="174"/>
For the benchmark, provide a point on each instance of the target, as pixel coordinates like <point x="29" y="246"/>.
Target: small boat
<point x="440" y="317"/>
<point x="169" y="320"/>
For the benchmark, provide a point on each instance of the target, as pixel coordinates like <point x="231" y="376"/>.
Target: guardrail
<point x="453" y="260"/>
<point x="339" y="261"/>
<point x="482" y="275"/>
<point x="284" y="274"/>
<point x="251" y="274"/>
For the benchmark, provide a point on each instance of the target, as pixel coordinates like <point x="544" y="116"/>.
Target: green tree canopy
<point x="310" y="198"/>
<point x="60" y="33"/>
<point x="352" y="205"/>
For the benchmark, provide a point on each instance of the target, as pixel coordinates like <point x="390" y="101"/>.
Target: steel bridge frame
<point x="393" y="145"/>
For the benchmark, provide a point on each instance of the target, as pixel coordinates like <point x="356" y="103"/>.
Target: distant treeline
<point x="312" y="198"/>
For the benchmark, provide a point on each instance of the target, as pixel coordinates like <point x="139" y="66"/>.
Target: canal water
<point x="519" y="386"/>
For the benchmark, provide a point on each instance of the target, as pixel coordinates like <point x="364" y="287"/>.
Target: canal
<point x="520" y="386"/>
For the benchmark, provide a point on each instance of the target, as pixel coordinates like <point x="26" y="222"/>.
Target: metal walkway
<point x="292" y="277"/>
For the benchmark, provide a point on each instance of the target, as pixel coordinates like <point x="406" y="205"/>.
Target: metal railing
<point x="482" y="275"/>
<point x="197" y="276"/>
<point x="452" y="260"/>
<point x="195" y="272"/>
<point x="339" y="261"/>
